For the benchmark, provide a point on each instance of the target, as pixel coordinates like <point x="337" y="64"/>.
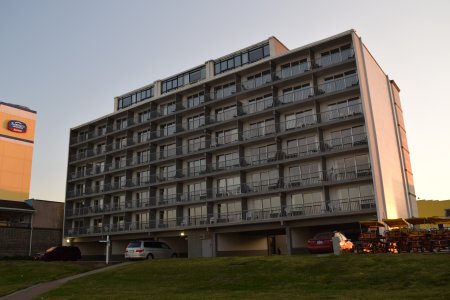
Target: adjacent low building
<point x="249" y="153"/>
<point x="31" y="226"/>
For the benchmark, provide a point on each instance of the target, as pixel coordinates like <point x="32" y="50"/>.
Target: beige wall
<point x="237" y="242"/>
<point x="48" y="214"/>
<point x="384" y="145"/>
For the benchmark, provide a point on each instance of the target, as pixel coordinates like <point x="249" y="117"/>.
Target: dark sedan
<point x="60" y="253"/>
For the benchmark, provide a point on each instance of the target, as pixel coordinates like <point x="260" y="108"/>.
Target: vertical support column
<point x="288" y="240"/>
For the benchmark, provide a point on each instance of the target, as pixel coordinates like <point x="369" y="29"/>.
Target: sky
<point x="69" y="59"/>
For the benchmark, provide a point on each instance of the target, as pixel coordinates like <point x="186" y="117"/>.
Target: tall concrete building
<point x="16" y="150"/>
<point x="249" y="153"/>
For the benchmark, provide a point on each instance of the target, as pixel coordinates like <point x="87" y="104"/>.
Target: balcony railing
<point x="253" y="160"/>
<point x="288" y="212"/>
<point x="246" y="85"/>
<point x="338" y="84"/>
<point x="335" y="58"/>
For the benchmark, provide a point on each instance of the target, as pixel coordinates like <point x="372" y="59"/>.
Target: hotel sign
<point x="17" y="126"/>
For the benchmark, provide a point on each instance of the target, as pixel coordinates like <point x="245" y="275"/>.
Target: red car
<point x="322" y="242"/>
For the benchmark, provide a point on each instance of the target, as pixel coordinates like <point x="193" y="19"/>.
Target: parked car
<point x="148" y="250"/>
<point x="322" y="242"/>
<point x="60" y="253"/>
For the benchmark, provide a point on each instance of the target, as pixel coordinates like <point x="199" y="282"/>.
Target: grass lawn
<point x="384" y="276"/>
<point x="19" y="274"/>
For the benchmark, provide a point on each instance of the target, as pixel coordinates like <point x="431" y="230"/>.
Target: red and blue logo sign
<point x="17" y="126"/>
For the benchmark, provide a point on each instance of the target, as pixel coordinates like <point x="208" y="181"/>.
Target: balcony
<point x="338" y="84"/>
<point x="287" y="213"/>
<point x="291" y="71"/>
<point x="335" y="58"/>
<point x="331" y="145"/>
<point x="299" y="95"/>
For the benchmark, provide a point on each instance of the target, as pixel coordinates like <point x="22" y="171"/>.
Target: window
<point x="339" y="82"/>
<point x="228" y="186"/>
<point x="196" y="121"/>
<point x="196" y="144"/>
<point x="350" y="167"/>
<point x="142" y="198"/>
<point x="143" y="136"/>
<point x="294" y="68"/>
<point x="306" y="198"/>
<point x="183" y="79"/>
<point x="118" y="202"/>
<point x="347" y="137"/>
<point x="119" y="181"/>
<point x="167" y="195"/>
<point x="263" y="154"/>
<point x="195" y="100"/>
<point x="335" y="55"/>
<point x="144" y="116"/>
<point x="142" y="177"/>
<point x="304" y="174"/>
<point x="143" y="156"/>
<point x="167" y="217"/>
<point x="197" y="214"/>
<point x="196" y="167"/>
<point x="167" y="172"/>
<point x="227" y="160"/>
<point x="101" y="130"/>
<point x="226" y="113"/>
<point x="224" y="91"/>
<point x="167" y="108"/>
<point x="343" y="109"/>
<point x="301" y="146"/>
<point x="266" y="203"/>
<point x="261" y="128"/>
<point x="168" y="150"/>
<point x="241" y="58"/>
<point x="257" y="80"/>
<point x="120" y="143"/>
<point x="134" y="98"/>
<point x="119" y="162"/>
<point x="300" y="119"/>
<point x="167" y="129"/>
<point x="296" y="93"/>
<point x="227" y="136"/>
<point x="197" y="191"/>
<point x="229" y="210"/>
<point x="121" y="124"/>
<point x="352" y="197"/>
<point x="100" y="148"/>
<point x="259" y="104"/>
<point x="264" y="180"/>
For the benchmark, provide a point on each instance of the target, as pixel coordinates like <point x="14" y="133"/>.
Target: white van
<point x="148" y="250"/>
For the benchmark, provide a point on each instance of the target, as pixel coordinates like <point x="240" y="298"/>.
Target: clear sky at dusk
<point x="68" y="60"/>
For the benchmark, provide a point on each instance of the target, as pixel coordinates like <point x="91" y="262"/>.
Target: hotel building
<point x="250" y="153"/>
<point x="16" y="150"/>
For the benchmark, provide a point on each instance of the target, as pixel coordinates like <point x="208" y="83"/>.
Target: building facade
<point x="16" y="150"/>
<point x="250" y="153"/>
<point x="31" y="226"/>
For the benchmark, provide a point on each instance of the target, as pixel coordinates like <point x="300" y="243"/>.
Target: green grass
<point x="19" y="274"/>
<point x="297" y="277"/>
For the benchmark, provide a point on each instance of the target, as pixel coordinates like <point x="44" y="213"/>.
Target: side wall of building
<point x="16" y="241"/>
<point x="385" y="148"/>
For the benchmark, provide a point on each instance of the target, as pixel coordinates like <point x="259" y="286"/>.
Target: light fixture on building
<point x="182" y="233"/>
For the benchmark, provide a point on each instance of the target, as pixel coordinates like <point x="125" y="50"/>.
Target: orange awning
<point x="399" y="223"/>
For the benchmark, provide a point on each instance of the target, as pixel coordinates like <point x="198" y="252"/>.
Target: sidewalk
<point x="34" y="291"/>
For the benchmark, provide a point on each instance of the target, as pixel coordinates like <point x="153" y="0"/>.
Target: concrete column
<point x="209" y="69"/>
<point x="157" y="88"/>
<point x="288" y="240"/>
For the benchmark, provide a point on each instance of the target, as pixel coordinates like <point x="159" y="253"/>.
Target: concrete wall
<point x="231" y="244"/>
<point x="48" y="214"/>
<point x="432" y="208"/>
<point x="390" y="190"/>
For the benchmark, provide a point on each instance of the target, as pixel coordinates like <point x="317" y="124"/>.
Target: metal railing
<point x="229" y="91"/>
<point x="286" y="212"/>
<point x="253" y="160"/>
